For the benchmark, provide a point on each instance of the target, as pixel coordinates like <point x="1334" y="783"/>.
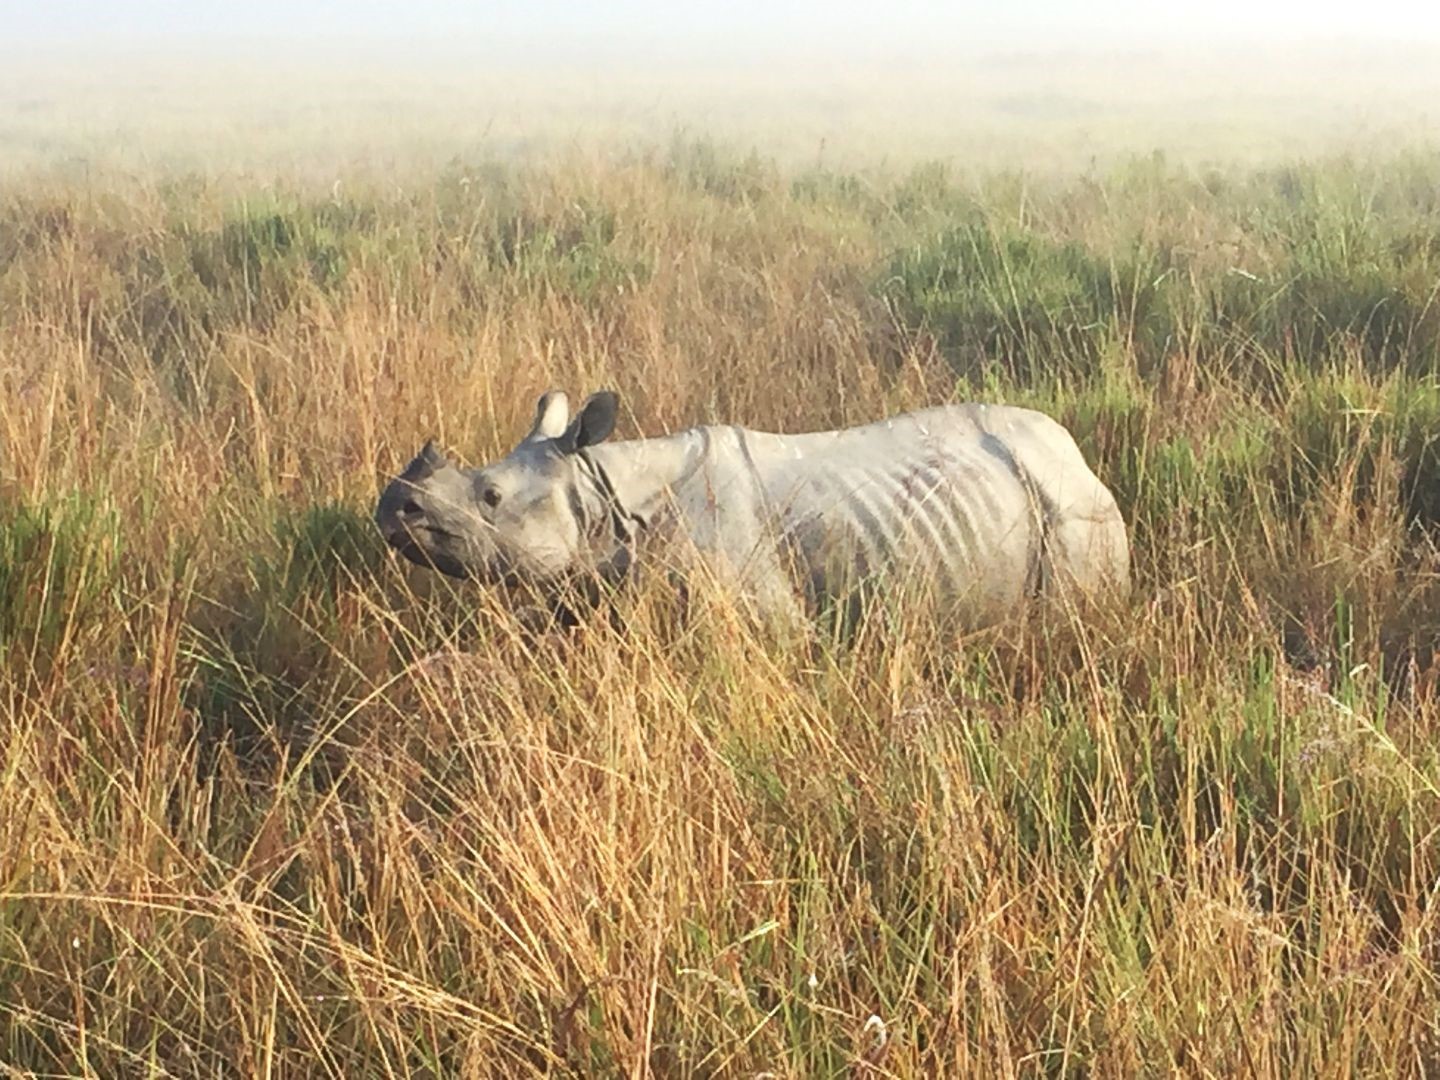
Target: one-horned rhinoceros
<point x="981" y="506"/>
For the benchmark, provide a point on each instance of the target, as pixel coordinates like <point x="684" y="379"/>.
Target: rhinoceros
<point x="983" y="507"/>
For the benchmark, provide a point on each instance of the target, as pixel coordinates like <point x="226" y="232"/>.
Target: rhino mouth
<point x="406" y="542"/>
<point x="430" y="560"/>
<point x="495" y="571"/>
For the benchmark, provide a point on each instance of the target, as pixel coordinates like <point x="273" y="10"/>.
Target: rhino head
<point x="522" y="518"/>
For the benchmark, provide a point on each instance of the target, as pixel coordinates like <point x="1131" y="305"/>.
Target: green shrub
<point x="59" y="570"/>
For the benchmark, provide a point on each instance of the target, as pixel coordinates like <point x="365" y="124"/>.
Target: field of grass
<point x="272" y="803"/>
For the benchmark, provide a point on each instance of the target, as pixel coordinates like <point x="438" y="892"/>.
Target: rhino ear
<point x="552" y="415"/>
<point x="430" y="455"/>
<point x="593" y="423"/>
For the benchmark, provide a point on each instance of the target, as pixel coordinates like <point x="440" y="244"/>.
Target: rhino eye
<point x="491" y="496"/>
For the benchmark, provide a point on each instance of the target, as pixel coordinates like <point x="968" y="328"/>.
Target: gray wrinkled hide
<point x="975" y="507"/>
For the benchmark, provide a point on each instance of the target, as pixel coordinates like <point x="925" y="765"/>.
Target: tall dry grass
<point x="272" y="804"/>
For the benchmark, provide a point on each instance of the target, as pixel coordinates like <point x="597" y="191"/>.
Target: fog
<point x="1035" y="83"/>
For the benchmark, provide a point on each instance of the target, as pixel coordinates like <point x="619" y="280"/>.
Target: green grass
<point x="270" y="800"/>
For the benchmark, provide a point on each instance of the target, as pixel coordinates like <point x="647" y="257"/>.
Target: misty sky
<point x="737" y="23"/>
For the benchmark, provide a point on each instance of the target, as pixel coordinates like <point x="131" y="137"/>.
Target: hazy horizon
<point x="1035" y="84"/>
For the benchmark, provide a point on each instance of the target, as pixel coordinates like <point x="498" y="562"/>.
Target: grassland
<point x="272" y="804"/>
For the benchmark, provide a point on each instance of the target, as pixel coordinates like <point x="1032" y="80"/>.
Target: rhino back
<point x="976" y="505"/>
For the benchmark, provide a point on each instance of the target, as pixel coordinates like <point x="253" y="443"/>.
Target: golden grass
<point x="270" y="803"/>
